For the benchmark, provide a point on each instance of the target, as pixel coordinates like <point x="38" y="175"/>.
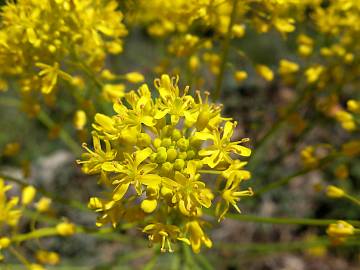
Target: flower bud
<point x="28" y="195"/>
<point x="340" y="229"/>
<point x="334" y="192"/>
<point x="134" y="77"/>
<point x="4" y="242"/>
<point x="43" y="204"/>
<point x="179" y="164"/>
<point x="171" y="154"/>
<point x="65" y="228"/>
<point x="148" y="206"/>
<point x="183" y="144"/>
<point x="144" y="139"/>
<point x="161" y="155"/>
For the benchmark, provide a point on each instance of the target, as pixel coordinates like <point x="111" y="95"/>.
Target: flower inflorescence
<point x="40" y="38"/>
<point x="157" y="156"/>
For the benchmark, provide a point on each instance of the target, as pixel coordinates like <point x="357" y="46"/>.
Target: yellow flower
<point x="51" y="34"/>
<point x="133" y="172"/>
<point x="97" y="157"/>
<point x="197" y="236"/>
<point x="164" y="234"/>
<point x="231" y="195"/>
<point x="221" y="148"/>
<point x="265" y="72"/>
<point x="49" y="75"/>
<point x="9" y="214"/>
<point x="190" y="192"/>
<point x="339" y="231"/>
<point x="155" y="156"/>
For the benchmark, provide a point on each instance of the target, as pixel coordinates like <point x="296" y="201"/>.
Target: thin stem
<point x="39" y="233"/>
<point x="352" y="199"/>
<point x="284" y="181"/>
<point x="203" y="262"/>
<point x="287" y="221"/>
<point x="64" y="136"/>
<point x="275" y="247"/>
<point x="19" y="256"/>
<point x="210" y="171"/>
<point x="225" y="52"/>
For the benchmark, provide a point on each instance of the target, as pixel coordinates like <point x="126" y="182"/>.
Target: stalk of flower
<point x="161" y="154"/>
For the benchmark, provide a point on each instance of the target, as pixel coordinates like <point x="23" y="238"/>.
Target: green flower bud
<point x="182" y="155"/>
<point x="166" y="142"/>
<point x="176" y="135"/>
<point x="166" y="168"/>
<point x="190" y="154"/>
<point x="183" y="144"/>
<point x="161" y="155"/>
<point x="153" y="157"/>
<point x="167" y="130"/>
<point x="157" y="142"/>
<point x="171" y="154"/>
<point x="179" y="164"/>
<point x="144" y="139"/>
<point x="203" y="119"/>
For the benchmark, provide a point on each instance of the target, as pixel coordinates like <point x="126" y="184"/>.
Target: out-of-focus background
<point x="240" y="241"/>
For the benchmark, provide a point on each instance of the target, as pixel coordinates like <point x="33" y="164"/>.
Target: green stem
<point x="225" y="52"/>
<point x="189" y="259"/>
<point x="64" y="136"/>
<point x="352" y="199"/>
<point x="209" y="171"/>
<point x="19" y="256"/>
<point x="39" y="233"/>
<point x="284" y="181"/>
<point x="287" y="221"/>
<point x="274" y="247"/>
<point x="203" y="262"/>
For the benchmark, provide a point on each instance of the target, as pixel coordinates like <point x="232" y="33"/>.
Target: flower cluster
<point x="44" y="41"/>
<point x="157" y="157"/>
